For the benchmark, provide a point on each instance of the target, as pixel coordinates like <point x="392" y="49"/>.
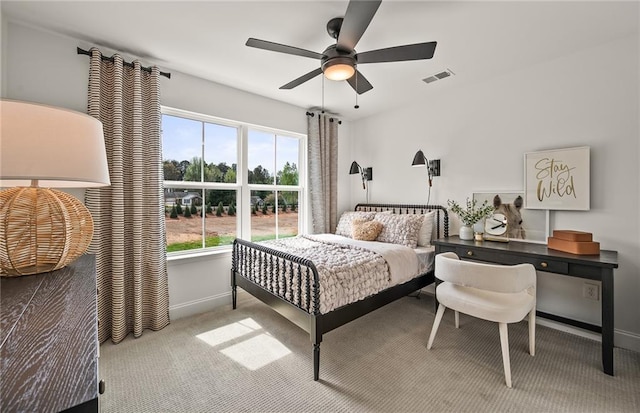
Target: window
<point x="205" y="186"/>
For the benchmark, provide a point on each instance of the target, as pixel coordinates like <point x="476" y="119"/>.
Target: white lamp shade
<point x="59" y="148"/>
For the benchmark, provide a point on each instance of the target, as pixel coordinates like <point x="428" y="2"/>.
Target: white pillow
<point x="347" y="217"/>
<point x="399" y="229"/>
<point x="426" y="231"/>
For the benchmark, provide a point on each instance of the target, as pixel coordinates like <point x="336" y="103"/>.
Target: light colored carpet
<point x="378" y="363"/>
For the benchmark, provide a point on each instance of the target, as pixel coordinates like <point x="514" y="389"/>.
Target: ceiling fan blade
<point x="416" y="51"/>
<point x="363" y="83"/>
<point x="282" y="48"/>
<point x="302" y="79"/>
<point x="355" y="22"/>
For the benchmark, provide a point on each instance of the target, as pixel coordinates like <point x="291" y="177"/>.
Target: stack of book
<point x="574" y="242"/>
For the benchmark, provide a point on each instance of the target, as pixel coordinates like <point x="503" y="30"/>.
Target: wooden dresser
<point x="49" y="340"/>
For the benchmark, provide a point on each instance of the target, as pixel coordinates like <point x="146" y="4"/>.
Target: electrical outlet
<point x="591" y="291"/>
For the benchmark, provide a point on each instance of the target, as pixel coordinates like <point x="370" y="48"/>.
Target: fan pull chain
<point x="322" y="94"/>
<point x="357" y="106"/>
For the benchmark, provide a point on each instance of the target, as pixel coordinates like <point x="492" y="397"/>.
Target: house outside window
<point x="225" y="179"/>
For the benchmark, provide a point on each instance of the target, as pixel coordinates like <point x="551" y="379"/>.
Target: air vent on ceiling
<point x="438" y="76"/>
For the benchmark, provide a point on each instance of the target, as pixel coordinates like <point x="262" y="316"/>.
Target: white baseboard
<point x="199" y="306"/>
<point x="568" y="329"/>
<point x="621" y="338"/>
<point x="626" y="339"/>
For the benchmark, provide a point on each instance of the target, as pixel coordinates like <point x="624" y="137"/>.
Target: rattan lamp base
<point x="41" y="230"/>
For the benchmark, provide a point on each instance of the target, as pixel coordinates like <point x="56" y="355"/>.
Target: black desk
<point x="593" y="267"/>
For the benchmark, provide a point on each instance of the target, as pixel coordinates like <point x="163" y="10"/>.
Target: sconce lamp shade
<point x="419" y="159"/>
<point x="355" y="168"/>
<point x="433" y="165"/>
<point x="43" y="229"/>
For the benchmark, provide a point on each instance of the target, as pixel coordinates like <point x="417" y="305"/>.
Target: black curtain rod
<point x="146" y="69"/>
<point x="330" y="119"/>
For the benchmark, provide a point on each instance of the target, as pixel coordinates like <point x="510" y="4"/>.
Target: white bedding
<point x="348" y="270"/>
<point x="403" y="261"/>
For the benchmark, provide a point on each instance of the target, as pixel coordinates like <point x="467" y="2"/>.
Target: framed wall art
<point x="511" y="221"/>
<point x="557" y="179"/>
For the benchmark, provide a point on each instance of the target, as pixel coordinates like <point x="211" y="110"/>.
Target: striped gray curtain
<point x="322" y="137"/>
<point x="129" y="235"/>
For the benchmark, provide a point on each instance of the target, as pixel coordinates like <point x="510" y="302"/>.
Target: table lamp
<point x="44" y="147"/>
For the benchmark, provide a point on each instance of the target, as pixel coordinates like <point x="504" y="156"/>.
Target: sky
<point x="182" y="140"/>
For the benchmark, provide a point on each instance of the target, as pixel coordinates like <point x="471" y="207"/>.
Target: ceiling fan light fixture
<point x="339" y="61"/>
<point x="338" y="69"/>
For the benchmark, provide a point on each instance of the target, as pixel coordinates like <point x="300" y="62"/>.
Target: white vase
<point x="466" y="233"/>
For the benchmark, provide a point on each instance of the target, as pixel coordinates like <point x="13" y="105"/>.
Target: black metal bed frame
<point x="256" y="268"/>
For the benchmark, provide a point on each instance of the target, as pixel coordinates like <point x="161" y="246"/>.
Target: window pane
<point x="287" y="214"/>
<point x="220" y="153"/>
<point x="186" y="225"/>
<point x="261" y="154"/>
<point x="181" y="145"/>
<point x="220" y="217"/>
<point x="287" y="160"/>
<point x="263" y="217"/>
<point x="183" y="221"/>
<point x="267" y="214"/>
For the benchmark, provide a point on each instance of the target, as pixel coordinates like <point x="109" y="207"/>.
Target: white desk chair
<point x="500" y="293"/>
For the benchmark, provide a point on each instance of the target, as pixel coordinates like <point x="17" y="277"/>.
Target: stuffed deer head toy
<point x="512" y="213"/>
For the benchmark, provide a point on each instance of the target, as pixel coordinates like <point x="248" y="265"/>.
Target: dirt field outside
<point x="190" y="229"/>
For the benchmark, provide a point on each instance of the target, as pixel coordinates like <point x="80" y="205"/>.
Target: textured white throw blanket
<point x="402" y="260"/>
<point x="348" y="270"/>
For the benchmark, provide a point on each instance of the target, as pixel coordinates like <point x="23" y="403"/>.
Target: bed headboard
<point x="442" y="217"/>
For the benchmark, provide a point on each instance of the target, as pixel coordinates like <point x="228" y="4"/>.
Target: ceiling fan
<point x="340" y="61"/>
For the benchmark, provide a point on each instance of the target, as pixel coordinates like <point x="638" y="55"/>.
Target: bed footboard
<point x="286" y="276"/>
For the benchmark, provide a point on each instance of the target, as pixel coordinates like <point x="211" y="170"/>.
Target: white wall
<point x="43" y="67"/>
<point x="481" y="131"/>
<point x="3" y="51"/>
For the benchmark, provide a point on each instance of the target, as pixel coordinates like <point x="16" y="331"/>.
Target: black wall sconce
<point x="433" y="166"/>
<point x="366" y="173"/>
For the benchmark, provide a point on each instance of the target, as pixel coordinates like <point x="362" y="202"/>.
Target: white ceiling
<point x="476" y="40"/>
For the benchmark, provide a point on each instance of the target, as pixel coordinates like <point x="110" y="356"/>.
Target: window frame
<point x="241" y="186"/>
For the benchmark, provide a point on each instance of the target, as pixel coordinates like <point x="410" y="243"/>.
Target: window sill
<point x="204" y="254"/>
